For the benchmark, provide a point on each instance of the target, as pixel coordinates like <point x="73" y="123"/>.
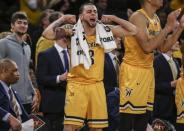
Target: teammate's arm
<point x="123" y="27"/>
<point x="49" y="32"/>
<point x="141" y="22"/>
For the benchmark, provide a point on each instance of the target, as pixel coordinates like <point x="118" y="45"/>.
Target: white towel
<point x="80" y="49"/>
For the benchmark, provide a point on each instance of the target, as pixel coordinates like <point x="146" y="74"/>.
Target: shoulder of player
<point x="138" y="18"/>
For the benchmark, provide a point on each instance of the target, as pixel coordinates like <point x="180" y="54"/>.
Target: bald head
<point x="8" y="71"/>
<point x="5" y="65"/>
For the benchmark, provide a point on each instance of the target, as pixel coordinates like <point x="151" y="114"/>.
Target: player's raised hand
<point x="172" y="21"/>
<point x="69" y="19"/>
<point x="107" y="19"/>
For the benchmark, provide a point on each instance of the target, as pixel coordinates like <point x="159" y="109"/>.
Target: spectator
<point x="166" y="74"/>
<point x="52" y="75"/>
<point x="43" y="23"/>
<point x="44" y="43"/>
<point x="12" y="113"/>
<point x="14" y="48"/>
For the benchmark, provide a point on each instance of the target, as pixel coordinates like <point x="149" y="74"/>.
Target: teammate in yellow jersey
<point x="179" y="99"/>
<point x="136" y="71"/>
<point x="85" y="95"/>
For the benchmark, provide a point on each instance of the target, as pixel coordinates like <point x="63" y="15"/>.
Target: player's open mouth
<point x="92" y="20"/>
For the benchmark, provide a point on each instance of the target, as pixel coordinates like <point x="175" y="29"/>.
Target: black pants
<point x="179" y="127"/>
<point x="138" y="122"/>
<point x="55" y="121"/>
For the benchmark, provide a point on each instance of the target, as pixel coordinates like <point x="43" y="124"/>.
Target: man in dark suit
<point x="111" y="71"/>
<point x="166" y="74"/>
<point x="12" y="112"/>
<point x="52" y="69"/>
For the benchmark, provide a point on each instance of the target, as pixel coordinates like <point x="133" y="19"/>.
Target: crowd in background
<point x="37" y="11"/>
<point x="41" y="13"/>
<point x="38" y="18"/>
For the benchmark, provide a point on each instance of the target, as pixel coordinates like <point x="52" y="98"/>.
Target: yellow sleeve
<point x="42" y="45"/>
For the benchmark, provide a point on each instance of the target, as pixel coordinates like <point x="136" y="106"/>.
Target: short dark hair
<point x="60" y="33"/>
<point x="44" y="14"/>
<point x="54" y="16"/>
<point x="18" y="15"/>
<point x="5" y="65"/>
<point x="83" y="5"/>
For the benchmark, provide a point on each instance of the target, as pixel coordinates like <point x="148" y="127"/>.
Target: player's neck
<point x="149" y="10"/>
<point x="89" y="30"/>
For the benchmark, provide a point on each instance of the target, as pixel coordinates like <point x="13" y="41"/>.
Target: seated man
<point x="12" y="112"/>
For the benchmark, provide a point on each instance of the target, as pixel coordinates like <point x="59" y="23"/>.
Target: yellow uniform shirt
<point x="134" y="55"/>
<point x="42" y="45"/>
<point x="95" y="73"/>
<point x="180" y="100"/>
<point x="85" y="89"/>
<point x="137" y="74"/>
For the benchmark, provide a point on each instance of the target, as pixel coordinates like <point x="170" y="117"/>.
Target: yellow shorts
<point x="179" y="100"/>
<point x="86" y="102"/>
<point x="136" y="89"/>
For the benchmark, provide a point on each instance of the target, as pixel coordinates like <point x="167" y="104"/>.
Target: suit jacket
<point x="110" y="75"/>
<point x="53" y="94"/>
<point x="164" y="105"/>
<point x="5" y="107"/>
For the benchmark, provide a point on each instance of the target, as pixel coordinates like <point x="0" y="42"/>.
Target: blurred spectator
<point x="118" y="8"/>
<point x="7" y="8"/>
<point x="175" y="4"/>
<point x="44" y="43"/>
<point x="32" y="10"/>
<point x="166" y="73"/>
<point x="163" y="18"/>
<point x="14" y="47"/>
<point x="177" y="55"/>
<point x="43" y="23"/>
<point x="101" y="6"/>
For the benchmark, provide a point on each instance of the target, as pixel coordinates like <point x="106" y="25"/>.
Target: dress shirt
<point x="59" y="50"/>
<point x="113" y="57"/>
<point x="168" y="58"/>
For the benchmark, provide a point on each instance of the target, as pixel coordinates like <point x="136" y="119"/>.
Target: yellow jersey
<point x="180" y="100"/>
<point x="42" y="45"/>
<point x="95" y="73"/>
<point x="134" y="54"/>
